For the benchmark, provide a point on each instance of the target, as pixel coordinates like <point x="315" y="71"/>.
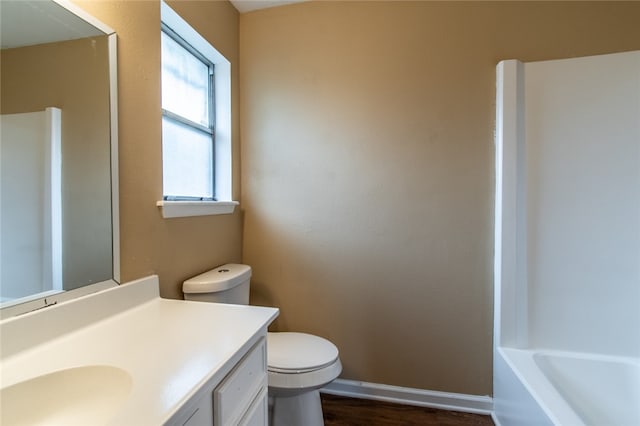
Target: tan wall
<point x="368" y="163"/>
<point x="175" y="249"/>
<point x="72" y="76"/>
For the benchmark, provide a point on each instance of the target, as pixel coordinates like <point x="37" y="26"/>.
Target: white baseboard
<point x="410" y="396"/>
<point x="495" y="419"/>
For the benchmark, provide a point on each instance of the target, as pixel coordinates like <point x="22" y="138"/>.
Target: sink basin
<point x="88" y="395"/>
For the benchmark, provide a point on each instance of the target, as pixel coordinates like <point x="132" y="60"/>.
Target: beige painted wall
<point x="73" y="76"/>
<point x="175" y="249"/>
<point x="367" y="170"/>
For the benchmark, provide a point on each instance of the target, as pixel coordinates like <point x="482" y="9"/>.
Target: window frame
<point x="175" y="117"/>
<point x="223" y="126"/>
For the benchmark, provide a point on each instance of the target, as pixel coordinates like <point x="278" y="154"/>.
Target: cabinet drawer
<point x="258" y="413"/>
<point x="238" y="390"/>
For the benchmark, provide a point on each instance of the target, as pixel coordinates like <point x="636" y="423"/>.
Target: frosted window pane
<point x="185" y="82"/>
<point x="187" y="156"/>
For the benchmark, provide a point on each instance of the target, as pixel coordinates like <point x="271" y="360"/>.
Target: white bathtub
<point x="576" y="389"/>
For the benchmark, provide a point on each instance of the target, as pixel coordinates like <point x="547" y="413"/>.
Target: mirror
<point x="59" y="232"/>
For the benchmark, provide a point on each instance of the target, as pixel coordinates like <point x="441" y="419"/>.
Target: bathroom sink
<point x="88" y="395"/>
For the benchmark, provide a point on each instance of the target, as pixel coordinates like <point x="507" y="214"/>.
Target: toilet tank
<point x="225" y="284"/>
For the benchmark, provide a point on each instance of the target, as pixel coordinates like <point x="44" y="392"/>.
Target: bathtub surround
<point x="384" y="219"/>
<point x="567" y="317"/>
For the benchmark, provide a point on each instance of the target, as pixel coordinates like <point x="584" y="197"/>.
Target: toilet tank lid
<point x="221" y="278"/>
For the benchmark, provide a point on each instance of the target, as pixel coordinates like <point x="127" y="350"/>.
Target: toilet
<point x="298" y="364"/>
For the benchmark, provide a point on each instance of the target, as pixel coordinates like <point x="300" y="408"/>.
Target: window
<point x="196" y="122"/>
<point x="188" y="132"/>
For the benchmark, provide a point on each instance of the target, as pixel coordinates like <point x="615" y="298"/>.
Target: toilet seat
<point x="300" y="361"/>
<point x="295" y="353"/>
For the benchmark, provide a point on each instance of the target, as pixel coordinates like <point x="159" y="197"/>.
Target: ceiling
<point x="249" y="5"/>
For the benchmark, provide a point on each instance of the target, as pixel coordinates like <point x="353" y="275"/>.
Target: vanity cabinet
<point x="240" y="398"/>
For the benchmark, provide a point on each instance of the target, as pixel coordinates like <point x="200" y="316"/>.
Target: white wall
<point x="583" y="203"/>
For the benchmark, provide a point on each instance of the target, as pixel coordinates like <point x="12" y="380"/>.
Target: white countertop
<point x="170" y="348"/>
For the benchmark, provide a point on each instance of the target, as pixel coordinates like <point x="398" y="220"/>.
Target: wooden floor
<point x="341" y="411"/>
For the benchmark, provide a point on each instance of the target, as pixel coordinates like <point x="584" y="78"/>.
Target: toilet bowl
<point x="298" y="364"/>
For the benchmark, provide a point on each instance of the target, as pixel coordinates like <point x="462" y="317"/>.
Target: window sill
<point x="195" y="208"/>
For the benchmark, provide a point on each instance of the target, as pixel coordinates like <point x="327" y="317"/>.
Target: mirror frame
<point x="40" y="302"/>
